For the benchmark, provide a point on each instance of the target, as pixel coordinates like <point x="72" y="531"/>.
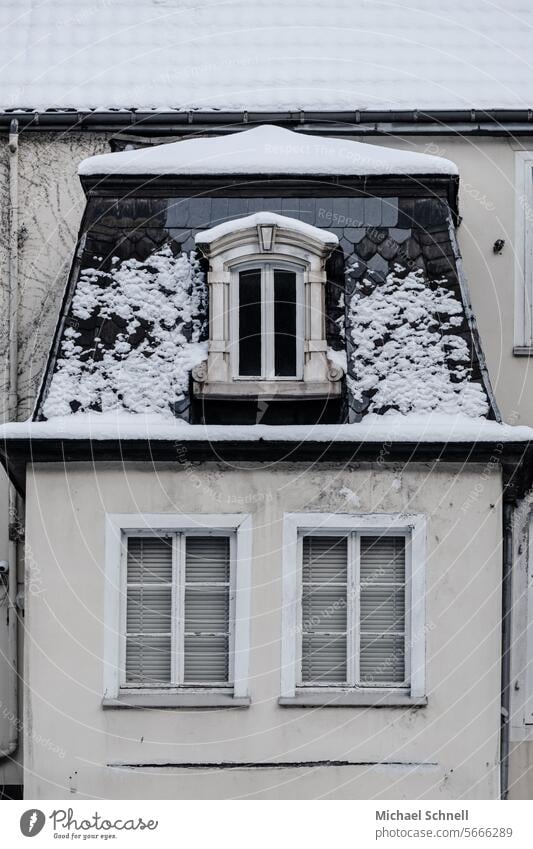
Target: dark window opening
<point x="285" y="355"/>
<point x="250" y="320"/>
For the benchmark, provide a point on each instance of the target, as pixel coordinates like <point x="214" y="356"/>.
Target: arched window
<point x="267" y="328"/>
<point x="266" y="310"/>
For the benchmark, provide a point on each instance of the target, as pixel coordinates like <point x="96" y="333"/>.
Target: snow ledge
<point x="435" y="427"/>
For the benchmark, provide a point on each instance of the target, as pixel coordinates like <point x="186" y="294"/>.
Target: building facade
<point x="260" y="498"/>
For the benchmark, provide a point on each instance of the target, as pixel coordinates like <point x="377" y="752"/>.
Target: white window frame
<point x="120" y="526"/>
<point x="267" y="319"/>
<point x="413" y="527"/>
<point x="523" y="257"/>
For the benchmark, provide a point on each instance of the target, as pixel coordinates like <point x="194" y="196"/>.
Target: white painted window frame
<point x="413" y="526"/>
<point x="523" y="257"/>
<point x="119" y="526"/>
<point x="267" y="269"/>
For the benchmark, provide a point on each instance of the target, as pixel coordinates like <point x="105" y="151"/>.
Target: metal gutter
<point x="477" y="122"/>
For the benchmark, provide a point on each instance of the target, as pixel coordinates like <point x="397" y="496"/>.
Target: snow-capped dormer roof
<point x="266" y="149"/>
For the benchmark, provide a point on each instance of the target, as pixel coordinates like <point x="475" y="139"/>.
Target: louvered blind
<point x="148" y="609"/>
<point x="207" y="613"/>
<point x="382" y="610"/>
<point x="324" y="595"/>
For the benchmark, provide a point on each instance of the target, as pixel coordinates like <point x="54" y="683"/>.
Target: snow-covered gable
<point x="266" y="149"/>
<point x="248" y="54"/>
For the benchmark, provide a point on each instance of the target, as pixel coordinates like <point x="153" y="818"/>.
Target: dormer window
<point x="267" y="310"/>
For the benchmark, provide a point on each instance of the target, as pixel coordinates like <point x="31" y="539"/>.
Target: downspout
<point x="507" y="600"/>
<point x="12" y="408"/>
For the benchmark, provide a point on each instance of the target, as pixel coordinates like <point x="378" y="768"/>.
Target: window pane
<point x="250" y="323"/>
<point x="207" y="610"/>
<point x="148" y="609"/>
<point x="382" y="610"/>
<point x="207" y="559"/>
<point x="285" y="323"/>
<point x="324" y="609"/>
<point x="382" y="659"/>
<point x="149" y="560"/>
<point x="206" y="660"/>
<point x="324" y="659"/>
<point x="148" y="659"/>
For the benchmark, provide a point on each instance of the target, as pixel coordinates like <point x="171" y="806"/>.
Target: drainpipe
<point x="9" y="746"/>
<point x="507" y="601"/>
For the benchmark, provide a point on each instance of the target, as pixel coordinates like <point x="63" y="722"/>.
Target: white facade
<point x="447" y="747"/>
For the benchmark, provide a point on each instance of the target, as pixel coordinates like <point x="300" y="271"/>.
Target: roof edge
<point x="515" y="458"/>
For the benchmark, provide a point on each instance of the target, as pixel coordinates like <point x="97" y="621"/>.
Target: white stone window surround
<point x="116" y="695"/>
<point x="258" y="240"/>
<point x="294" y="695"/>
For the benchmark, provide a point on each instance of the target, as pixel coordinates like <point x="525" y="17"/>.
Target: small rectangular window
<point x="353" y="610"/>
<point x="250" y="323"/>
<point x="178" y="610"/>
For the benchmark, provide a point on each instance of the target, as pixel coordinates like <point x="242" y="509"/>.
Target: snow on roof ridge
<point x="205" y="237"/>
<point x="266" y="149"/>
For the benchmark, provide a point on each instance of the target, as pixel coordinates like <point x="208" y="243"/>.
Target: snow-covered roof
<point x="248" y="54"/>
<point x="266" y="149"/>
<point x="206" y="237"/>
<point x="432" y="427"/>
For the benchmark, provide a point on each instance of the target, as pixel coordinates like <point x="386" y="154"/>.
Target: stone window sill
<point x="523" y="351"/>
<point x="368" y="698"/>
<point x="268" y="389"/>
<point x="168" y="701"/>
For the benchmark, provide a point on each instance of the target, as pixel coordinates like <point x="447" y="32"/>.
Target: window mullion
<point x="268" y="322"/>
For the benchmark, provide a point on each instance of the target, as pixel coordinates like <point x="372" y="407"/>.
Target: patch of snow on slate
<point x="266" y="150"/>
<point x="405" y="355"/>
<point x="166" y="294"/>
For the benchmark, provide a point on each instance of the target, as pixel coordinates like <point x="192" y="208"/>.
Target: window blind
<point x="207" y="614"/>
<point x="164" y="645"/>
<point x="148" y="609"/>
<point x="382" y="610"/>
<point x="353" y="638"/>
<point x="324" y="629"/>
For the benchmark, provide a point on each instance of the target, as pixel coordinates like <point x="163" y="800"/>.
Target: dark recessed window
<point x="270" y="315"/>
